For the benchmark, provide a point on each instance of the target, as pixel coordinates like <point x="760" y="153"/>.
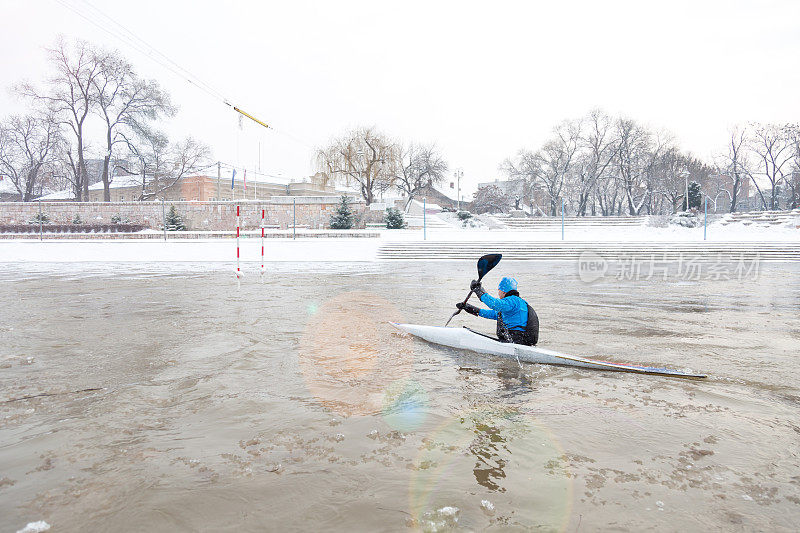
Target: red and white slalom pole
<point x="262" y="243"/>
<point x="238" y="270"/>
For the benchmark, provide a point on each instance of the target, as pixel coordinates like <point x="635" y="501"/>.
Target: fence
<point x="311" y="212"/>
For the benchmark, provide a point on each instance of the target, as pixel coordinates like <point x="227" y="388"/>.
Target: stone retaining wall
<point x="194" y="235"/>
<point x="313" y="212"/>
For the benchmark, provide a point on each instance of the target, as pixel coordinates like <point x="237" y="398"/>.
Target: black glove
<point x="477" y="288"/>
<point x="469" y="308"/>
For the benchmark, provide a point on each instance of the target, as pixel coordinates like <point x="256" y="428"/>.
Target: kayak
<point x="466" y="339"/>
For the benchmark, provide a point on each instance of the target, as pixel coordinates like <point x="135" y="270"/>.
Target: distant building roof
<point x="117" y="182"/>
<point x="58" y="195"/>
<point x="7" y="186"/>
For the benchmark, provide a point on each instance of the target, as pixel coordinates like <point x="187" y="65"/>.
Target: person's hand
<point x="476" y="287"/>
<point x="469" y="308"/>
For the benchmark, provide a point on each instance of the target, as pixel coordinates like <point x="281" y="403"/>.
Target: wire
<point x="197" y="81"/>
<point x="251" y="171"/>
<point x="143" y="47"/>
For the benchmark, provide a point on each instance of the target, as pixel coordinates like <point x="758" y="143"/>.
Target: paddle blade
<point x="486" y="263"/>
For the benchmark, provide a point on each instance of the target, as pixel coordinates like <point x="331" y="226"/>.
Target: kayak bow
<point x="466" y="339"/>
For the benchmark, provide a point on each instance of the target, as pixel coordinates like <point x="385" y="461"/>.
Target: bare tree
<point x="794" y="181"/>
<point x="549" y="166"/>
<point x="124" y="99"/>
<point x="363" y="157"/>
<point x="28" y="145"/>
<point x="71" y="98"/>
<point x="417" y="168"/>
<point x="594" y="161"/>
<point x="160" y="164"/>
<point x="736" y="164"/>
<point x="491" y="199"/>
<point x="147" y="155"/>
<point x="774" y="146"/>
<point x="635" y="162"/>
<point x="556" y="160"/>
<point x="670" y="181"/>
<point x="526" y="168"/>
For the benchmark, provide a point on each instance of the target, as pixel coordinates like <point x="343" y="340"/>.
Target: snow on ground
<point x="356" y="249"/>
<point x="190" y="250"/>
<point x="717" y="232"/>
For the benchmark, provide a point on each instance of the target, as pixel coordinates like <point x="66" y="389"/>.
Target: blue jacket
<point x="514" y="309"/>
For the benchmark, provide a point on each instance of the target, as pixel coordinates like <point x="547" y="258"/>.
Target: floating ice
<point x="487" y="507"/>
<point x="35" y="527"/>
<point x="444" y="519"/>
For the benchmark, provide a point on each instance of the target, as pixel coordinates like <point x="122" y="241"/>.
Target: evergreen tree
<point x="695" y="197"/>
<point x="343" y="217"/>
<point x="40" y="218"/>
<point x="174" y="221"/>
<point x="394" y="219"/>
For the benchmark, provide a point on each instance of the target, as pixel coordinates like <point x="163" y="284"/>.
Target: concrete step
<point x="722" y="252"/>
<point x="541" y="222"/>
<point x="571" y="222"/>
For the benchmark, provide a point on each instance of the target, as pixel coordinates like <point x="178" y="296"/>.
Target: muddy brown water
<point x="164" y="398"/>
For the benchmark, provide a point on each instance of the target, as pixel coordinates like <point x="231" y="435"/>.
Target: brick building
<point x="201" y="188"/>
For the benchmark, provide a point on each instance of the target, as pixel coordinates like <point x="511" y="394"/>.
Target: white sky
<point x="480" y="79"/>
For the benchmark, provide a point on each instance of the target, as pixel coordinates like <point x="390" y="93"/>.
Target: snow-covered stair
<point x="553" y="223"/>
<point x="431" y="222"/>
<point x="610" y="251"/>
<point x="768" y="218"/>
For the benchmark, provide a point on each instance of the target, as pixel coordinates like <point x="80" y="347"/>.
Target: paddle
<point x="485" y="264"/>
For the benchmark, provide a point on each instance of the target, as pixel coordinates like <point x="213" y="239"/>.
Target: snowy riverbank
<point x="363" y="249"/>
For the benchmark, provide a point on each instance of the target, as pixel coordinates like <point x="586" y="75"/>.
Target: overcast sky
<point x="481" y="80"/>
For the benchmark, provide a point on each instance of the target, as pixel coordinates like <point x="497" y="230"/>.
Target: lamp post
<point x="705" y="220"/>
<point x="458" y="174"/>
<point x="685" y="175"/>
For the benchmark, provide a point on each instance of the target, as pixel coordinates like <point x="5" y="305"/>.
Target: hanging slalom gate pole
<point x="238" y="270"/>
<point x="294" y="218"/>
<point x="705" y="221"/>
<point x="40" y="220"/>
<point x="562" y="219"/>
<point x="262" y="244"/>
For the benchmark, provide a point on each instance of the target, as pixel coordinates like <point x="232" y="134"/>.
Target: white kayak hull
<point x="465" y="339"/>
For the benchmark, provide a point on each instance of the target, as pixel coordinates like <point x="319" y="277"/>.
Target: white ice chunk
<point x="35" y="527"/>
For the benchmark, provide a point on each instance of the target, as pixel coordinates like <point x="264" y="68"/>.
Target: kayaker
<point x="517" y="322"/>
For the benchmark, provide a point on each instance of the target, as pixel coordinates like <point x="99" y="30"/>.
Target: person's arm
<point x="502" y="305"/>
<point x="491" y="314"/>
<point x="471" y="309"/>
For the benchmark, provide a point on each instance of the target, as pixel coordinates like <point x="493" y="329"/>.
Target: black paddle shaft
<point x="485" y="264"/>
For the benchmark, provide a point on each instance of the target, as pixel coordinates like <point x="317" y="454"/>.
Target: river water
<point x="166" y="398"/>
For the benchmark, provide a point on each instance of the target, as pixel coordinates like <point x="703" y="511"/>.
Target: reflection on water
<point x="344" y="356"/>
<point x="487" y="447"/>
<point x="165" y="399"/>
